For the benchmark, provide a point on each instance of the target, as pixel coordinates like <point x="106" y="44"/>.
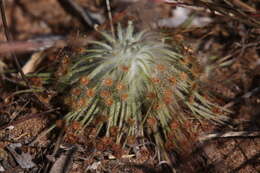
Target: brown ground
<point x="224" y="37"/>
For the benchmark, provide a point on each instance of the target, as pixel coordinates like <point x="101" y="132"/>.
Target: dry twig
<point x="241" y="134"/>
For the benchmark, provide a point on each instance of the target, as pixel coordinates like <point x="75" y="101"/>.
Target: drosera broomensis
<point x="139" y="85"/>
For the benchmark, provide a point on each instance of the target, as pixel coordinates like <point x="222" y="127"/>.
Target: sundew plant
<point x="135" y="84"/>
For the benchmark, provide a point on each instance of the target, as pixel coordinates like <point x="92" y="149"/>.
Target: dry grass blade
<point x="235" y="9"/>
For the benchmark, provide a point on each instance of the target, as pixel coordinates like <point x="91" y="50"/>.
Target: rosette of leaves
<point x="136" y="84"/>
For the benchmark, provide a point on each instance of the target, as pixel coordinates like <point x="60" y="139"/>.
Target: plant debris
<point x="221" y="36"/>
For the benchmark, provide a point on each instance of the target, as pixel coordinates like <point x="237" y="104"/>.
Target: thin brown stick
<point x="244" y="6"/>
<point x="38" y="44"/>
<point x="110" y="17"/>
<point x="9" y="39"/>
